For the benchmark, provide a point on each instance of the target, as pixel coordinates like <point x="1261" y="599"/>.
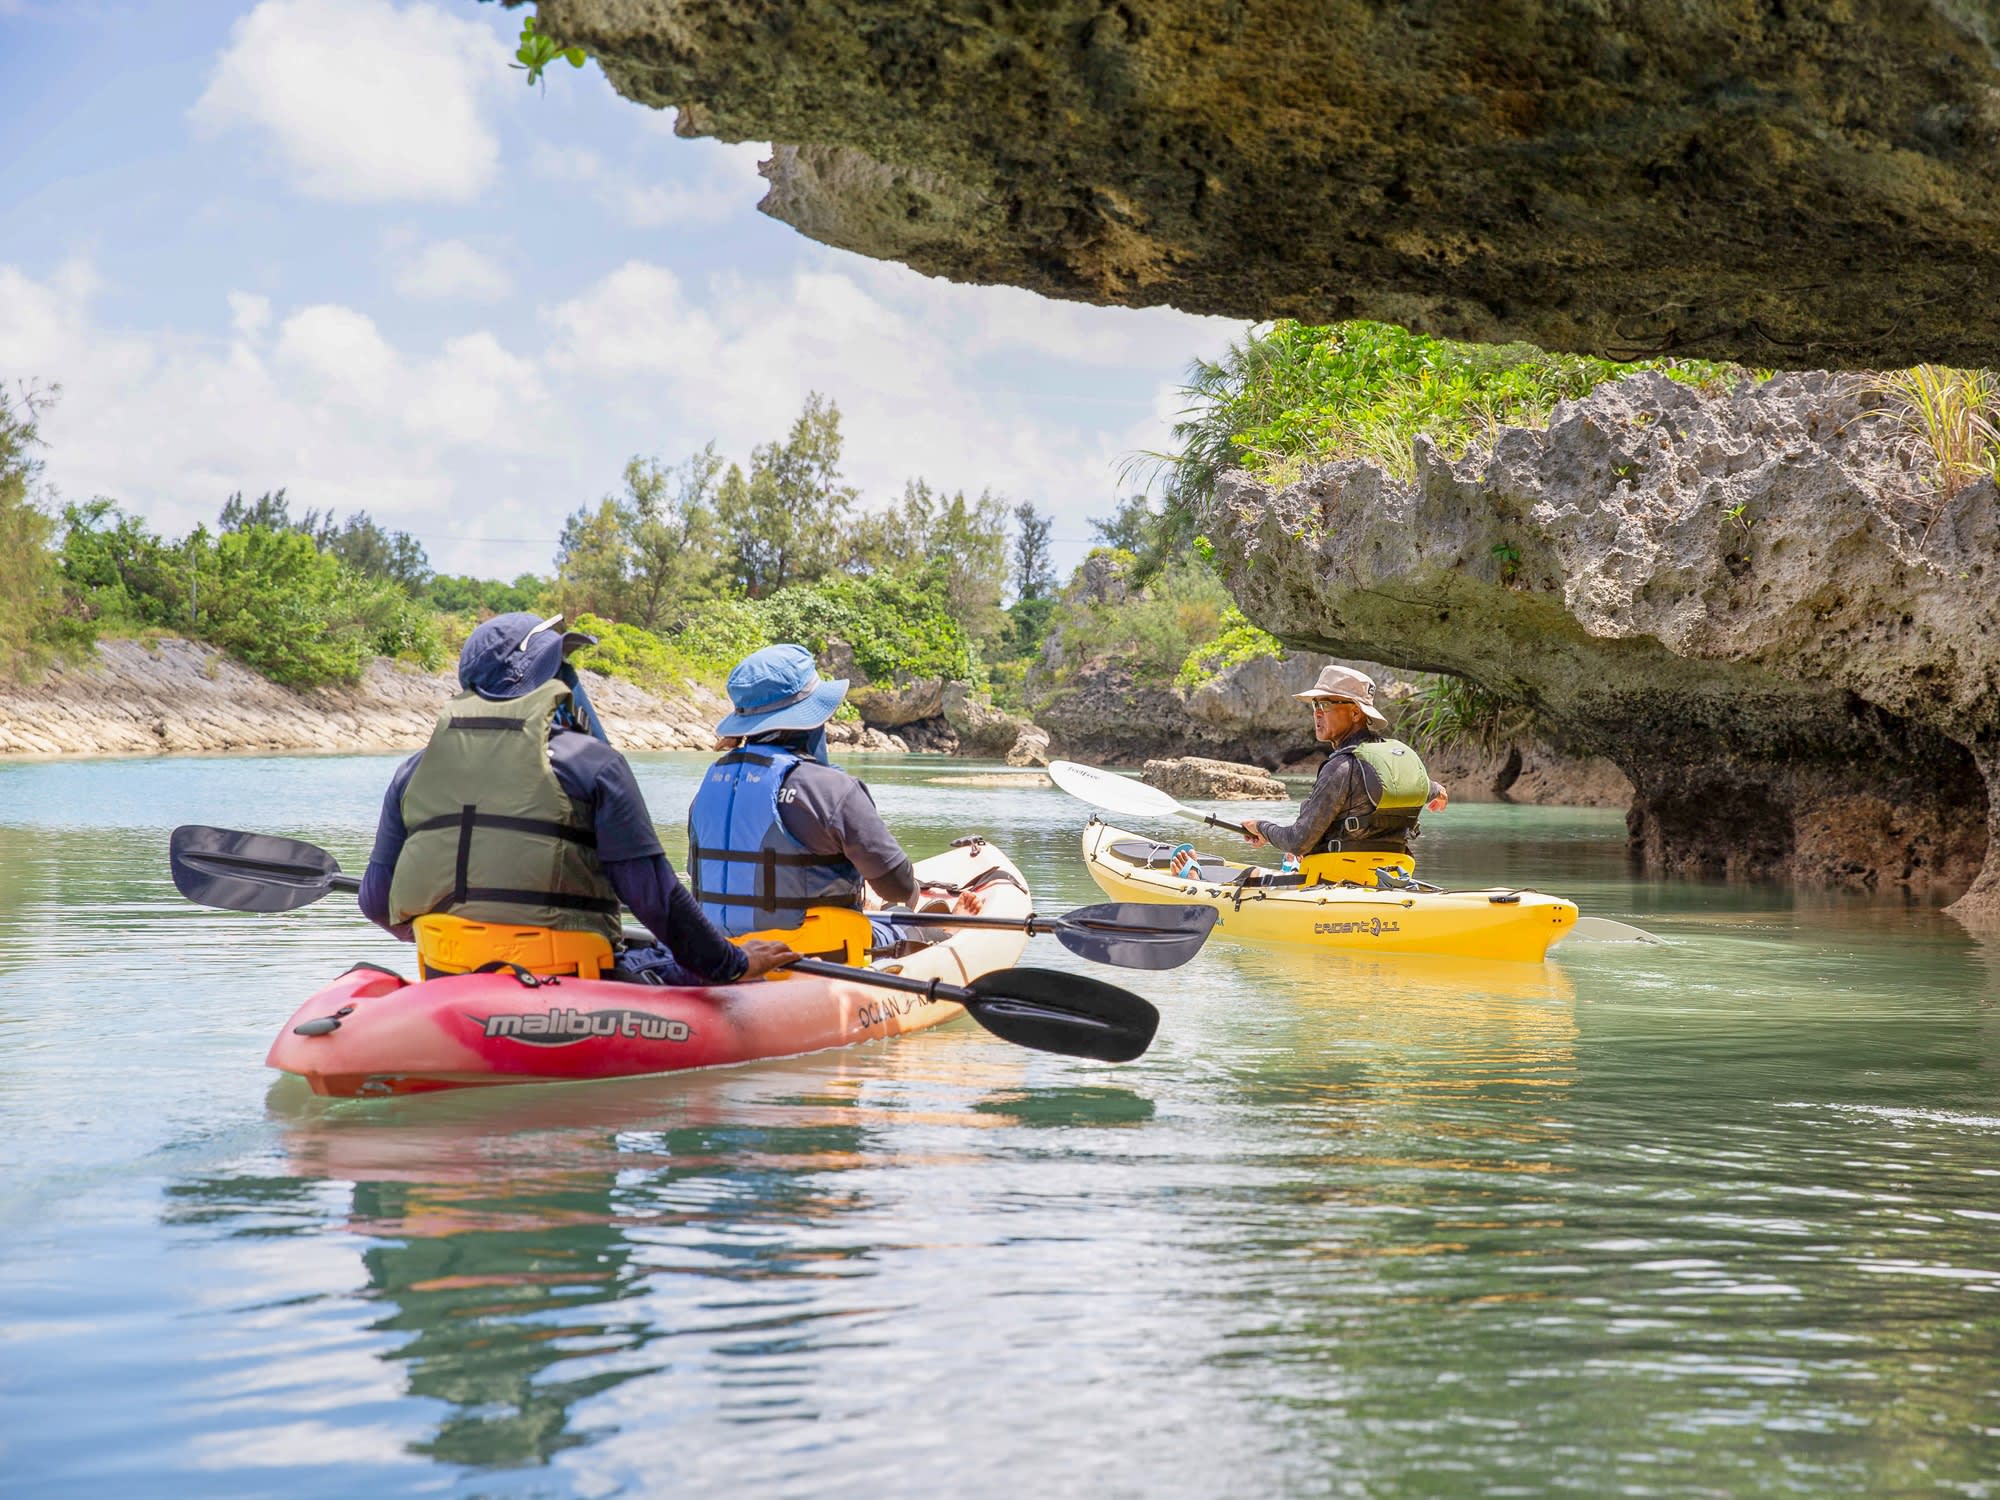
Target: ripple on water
<point x="1708" y="1217"/>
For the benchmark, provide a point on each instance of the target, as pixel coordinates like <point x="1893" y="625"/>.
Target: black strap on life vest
<point x="469" y="818"/>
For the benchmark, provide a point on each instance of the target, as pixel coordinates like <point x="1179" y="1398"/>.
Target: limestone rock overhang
<point x="1785" y="185"/>
<point x="1755" y="604"/>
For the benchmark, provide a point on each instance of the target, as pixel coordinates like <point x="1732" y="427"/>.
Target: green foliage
<point x="1151" y="538"/>
<point x="1236" y="641"/>
<point x="461" y="593"/>
<point x="786" y="521"/>
<point x="1154" y="631"/>
<point x="276" y="603"/>
<point x="269" y="597"/>
<point x="1950" y="424"/>
<point x="635" y="654"/>
<point x="537" y="52"/>
<point x="1448" y="712"/>
<point x="1033" y="571"/>
<point x="118" y="572"/>
<point x="960" y="542"/>
<point x="899" y="626"/>
<point x="1293" y="393"/>
<point x="365" y="546"/>
<point x="34" y="623"/>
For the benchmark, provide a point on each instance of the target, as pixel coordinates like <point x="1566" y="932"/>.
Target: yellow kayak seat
<point x="456" y="945"/>
<point x="1359" y="868"/>
<point x="839" y="934"/>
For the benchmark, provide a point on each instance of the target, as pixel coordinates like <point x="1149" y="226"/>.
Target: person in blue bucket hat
<point x="519" y="815"/>
<point x="776" y="828"/>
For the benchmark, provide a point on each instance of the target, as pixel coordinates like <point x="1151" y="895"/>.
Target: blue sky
<point x="337" y="245"/>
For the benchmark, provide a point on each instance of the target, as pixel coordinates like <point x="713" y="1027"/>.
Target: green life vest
<point x="1405" y="788"/>
<point x="490" y="833"/>
<point x="1406" y="785"/>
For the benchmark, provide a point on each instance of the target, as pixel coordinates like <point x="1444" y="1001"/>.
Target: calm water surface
<point x="1715" y="1218"/>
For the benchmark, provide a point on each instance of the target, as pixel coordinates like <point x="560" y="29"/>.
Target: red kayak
<point x="372" y="1033"/>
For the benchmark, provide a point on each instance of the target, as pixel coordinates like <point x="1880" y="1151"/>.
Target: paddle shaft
<point x="1031" y="924"/>
<point x="1210" y="819"/>
<point x="930" y="989"/>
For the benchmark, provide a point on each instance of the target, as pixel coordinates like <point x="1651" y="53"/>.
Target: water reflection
<point x="529" y="1249"/>
<point x="1708" y="1217"/>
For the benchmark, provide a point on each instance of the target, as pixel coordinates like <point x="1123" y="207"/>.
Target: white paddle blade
<point x="1604" y="930"/>
<point x="1113" y="793"/>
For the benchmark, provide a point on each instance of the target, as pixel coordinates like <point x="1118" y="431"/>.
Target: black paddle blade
<point x="249" y="871"/>
<point x="1066" y="1013"/>
<point x="1137" y="934"/>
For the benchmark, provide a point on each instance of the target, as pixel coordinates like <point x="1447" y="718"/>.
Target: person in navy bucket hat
<point x="776" y="828"/>
<point x="550" y="818"/>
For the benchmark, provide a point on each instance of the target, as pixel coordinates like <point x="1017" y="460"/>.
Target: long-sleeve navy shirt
<point x="595" y="776"/>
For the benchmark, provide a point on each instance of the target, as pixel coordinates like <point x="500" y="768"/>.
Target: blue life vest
<point x="747" y="872"/>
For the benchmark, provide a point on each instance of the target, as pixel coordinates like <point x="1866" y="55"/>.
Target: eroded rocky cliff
<point x="1784" y="184"/>
<point x="1755" y="604"/>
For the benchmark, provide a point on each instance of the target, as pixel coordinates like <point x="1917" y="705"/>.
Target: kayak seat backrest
<point x="838" y="934"/>
<point x="455" y="945"/>
<point x="1155" y="856"/>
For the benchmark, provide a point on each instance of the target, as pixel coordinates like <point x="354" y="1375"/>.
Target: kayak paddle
<point x="1121" y="794"/>
<point x="1039" y="1008"/>
<point x="1604" y="930"/>
<point x="261" y="872"/>
<point x="251" y="871"/>
<point x="1129" y="934"/>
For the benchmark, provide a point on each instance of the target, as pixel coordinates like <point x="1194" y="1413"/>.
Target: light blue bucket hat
<point x="777" y="688"/>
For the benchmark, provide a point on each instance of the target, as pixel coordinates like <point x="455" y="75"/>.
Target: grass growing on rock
<point x="1292" y="394"/>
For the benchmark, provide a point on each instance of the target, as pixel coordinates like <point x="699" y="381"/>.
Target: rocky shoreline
<point x="176" y="697"/>
<point x="167" y="696"/>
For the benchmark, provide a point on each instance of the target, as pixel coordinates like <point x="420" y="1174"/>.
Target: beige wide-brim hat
<point x="1348" y="686"/>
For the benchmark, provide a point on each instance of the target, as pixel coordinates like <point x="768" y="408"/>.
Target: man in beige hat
<point x="1371" y="789"/>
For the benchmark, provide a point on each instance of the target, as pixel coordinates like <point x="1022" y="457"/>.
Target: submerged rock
<point x="1750" y="603"/>
<point x="1781" y="184"/>
<point x="1217" y="780"/>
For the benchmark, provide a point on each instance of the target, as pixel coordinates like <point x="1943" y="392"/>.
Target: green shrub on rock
<point x="1236" y="642"/>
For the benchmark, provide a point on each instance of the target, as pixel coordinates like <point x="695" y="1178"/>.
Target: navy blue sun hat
<point x="780" y="688"/>
<point x="509" y="655"/>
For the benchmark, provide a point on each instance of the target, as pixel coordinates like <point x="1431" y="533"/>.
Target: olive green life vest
<point x="490" y="833"/>
<point x="1406" y="787"/>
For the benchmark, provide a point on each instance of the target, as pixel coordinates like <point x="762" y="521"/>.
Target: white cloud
<point x="341" y="354"/>
<point x="989" y="319"/>
<point x="694" y="184"/>
<point x="442" y="442"/>
<point x="474" y="436"/>
<point x="360" y="100"/>
<point x="902" y="356"/>
<point x="452" y="268"/>
<point x="249" y="313"/>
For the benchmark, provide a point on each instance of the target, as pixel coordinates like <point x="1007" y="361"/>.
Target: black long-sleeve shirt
<point x="597" y="776"/>
<point x="1345" y="788"/>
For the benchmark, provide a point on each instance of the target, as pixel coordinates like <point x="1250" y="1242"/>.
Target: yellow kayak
<point x="1257" y="905"/>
